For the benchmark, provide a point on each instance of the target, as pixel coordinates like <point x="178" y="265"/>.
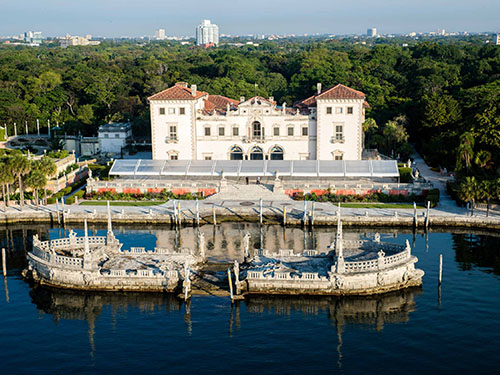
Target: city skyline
<point x="107" y="19"/>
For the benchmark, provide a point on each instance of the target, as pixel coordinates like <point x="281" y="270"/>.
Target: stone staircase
<point x="253" y="192"/>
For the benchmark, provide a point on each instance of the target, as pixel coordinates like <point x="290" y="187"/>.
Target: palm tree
<point x="36" y="180"/>
<point x="465" y="150"/>
<point x="6" y="178"/>
<point x="20" y="166"/>
<point x="49" y="169"/>
<point x="486" y="191"/>
<point x="468" y="191"/>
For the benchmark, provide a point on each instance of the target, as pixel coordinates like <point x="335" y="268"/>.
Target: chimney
<point x="318" y="87"/>
<point x="181" y="84"/>
<point x="193" y="90"/>
<point x="271" y="98"/>
<point x="242" y="99"/>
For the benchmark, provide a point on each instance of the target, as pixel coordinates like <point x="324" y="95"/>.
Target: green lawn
<point x="122" y="203"/>
<point x="378" y="205"/>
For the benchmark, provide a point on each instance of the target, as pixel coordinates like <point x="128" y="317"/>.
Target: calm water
<point x="415" y="331"/>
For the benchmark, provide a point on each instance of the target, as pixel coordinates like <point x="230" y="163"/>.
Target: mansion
<point x="193" y="125"/>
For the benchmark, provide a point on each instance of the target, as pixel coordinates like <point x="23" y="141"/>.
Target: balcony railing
<point x="337" y="139"/>
<point x="172" y="139"/>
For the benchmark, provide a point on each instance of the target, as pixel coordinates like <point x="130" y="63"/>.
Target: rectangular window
<point x="162" y="111"/>
<point x="328" y="110"/>
<point x="305" y="132"/>
<point x="290" y="132"/>
<point x="221" y="132"/>
<point x="276" y="132"/>
<point x="182" y="111"/>
<point x="173" y="132"/>
<point x="338" y="110"/>
<point x="174" y="157"/>
<point x="208" y="158"/>
<point x="207" y="132"/>
<point x="236" y="131"/>
<point x="350" y="110"/>
<point x="339" y="157"/>
<point x="171" y="111"/>
<point x="339" y="132"/>
<point x="106" y="135"/>
<point x="117" y="135"/>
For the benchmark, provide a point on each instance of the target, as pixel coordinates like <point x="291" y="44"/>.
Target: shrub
<point x="405" y="175"/>
<point x="70" y="200"/>
<point x="79" y="193"/>
<point x="51" y="200"/>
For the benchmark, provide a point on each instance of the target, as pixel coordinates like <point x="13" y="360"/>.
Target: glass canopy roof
<point x="251" y="168"/>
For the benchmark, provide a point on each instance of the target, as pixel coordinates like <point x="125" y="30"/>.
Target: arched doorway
<point x="236" y="153"/>
<point x="256" y="153"/>
<point x="276" y="153"/>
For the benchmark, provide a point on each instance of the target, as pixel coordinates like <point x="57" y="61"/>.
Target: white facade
<point x="211" y="127"/>
<point x="113" y="137"/>
<point x="160" y="34"/>
<point x="207" y="33"/>
<point x="371" y="32"/>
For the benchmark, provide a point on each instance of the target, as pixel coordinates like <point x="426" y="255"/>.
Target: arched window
<point x="257" y="130"/>
<point x="256" y="154"/>
<point x="236" y="153"/>
<point x="276" y="153"/>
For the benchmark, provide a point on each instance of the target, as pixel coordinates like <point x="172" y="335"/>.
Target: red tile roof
<point x="335" y="92"/>
<point x="178" y="92"/>
<point x="221" y="102"/>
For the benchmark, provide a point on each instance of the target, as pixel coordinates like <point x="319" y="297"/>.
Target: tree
<point x="20" y="166"/>
<point x="468" y="191"/>
<point x="395" y="134"/>
<point x="36" y="180"/>
<point x="465" y="151"/>
<point x="49" y="169"/>
<point x="6" y="178"/>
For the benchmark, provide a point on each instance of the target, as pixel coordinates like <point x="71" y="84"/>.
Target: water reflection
<point x="374" y="311"/>
<point x="477" y="251"/>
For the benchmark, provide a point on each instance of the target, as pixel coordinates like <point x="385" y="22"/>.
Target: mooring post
<point x="187" y="283"/>
<point x="284" y="215"/>
<point x="440" y="277"/>
<point x="260" y="210"/>
<point x="230" y="283"/>
<point x="415" y="224"/>
<point x="427" y="216"/>
<point x="197" y="212"/>
<point x="304" y="215"/>
<point x="312" y="213"/>
<point x="179" y="217"/>
<point x="4" y="262"/>
<point x="213" y="215"/>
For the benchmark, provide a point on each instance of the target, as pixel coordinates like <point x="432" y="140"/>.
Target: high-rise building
<point x="207" y="34"/>
<point x="497" y="39"/>
<point x="160" y="34"/>
<point x="371" y="32"/>
<point x="33" y="37"/>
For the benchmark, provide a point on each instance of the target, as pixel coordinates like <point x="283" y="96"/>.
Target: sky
<point x="115" y="18"/>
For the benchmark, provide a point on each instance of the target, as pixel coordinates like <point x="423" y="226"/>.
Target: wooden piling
<point x="230" y="283"/>
<point x="260" y="211"/>
<point x="213" y="215"/>
<point x="312" y="213"/>
<point x="415" y="220"/>
<point x="197" y="212"/>
<point x="427" y="216"/>
<point x="440" y="277"/>
<point x="179" y="215"/>
<point x="284" y="216"/>
<point x="4" y="262"/>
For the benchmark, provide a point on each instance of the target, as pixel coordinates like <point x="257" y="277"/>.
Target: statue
<point x="246" y="244"/>
<point x="377" y="237"/>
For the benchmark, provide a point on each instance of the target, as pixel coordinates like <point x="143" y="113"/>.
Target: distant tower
<point x="371" y="32"/>
<point x="207" y="34"/>
<point x="497" y="39"/>
<point x="160" y="34"/>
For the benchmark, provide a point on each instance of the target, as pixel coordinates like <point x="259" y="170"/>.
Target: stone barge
<point x="361" y="267"/>
<point x="98" y="263"/>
